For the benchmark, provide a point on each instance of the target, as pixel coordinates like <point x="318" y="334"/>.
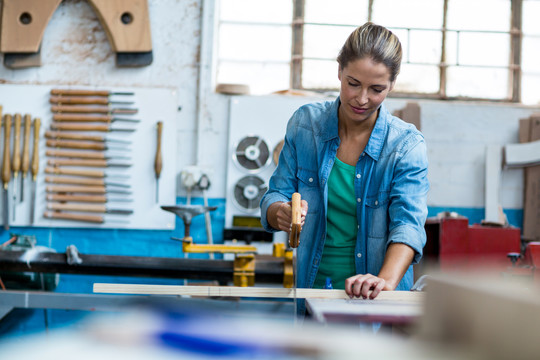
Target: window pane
<point x="275" y="11"/>
<point x="484" y="49"/>
<point x="418" y="79"/>
<point x="319" y="74"/>
<point x="477" y="82"/>
<point x="425" y="46"/>
<point x="493" y="15"/>
<point x="425" y="14"/>
<point x="344" y="12"/>
<point x="263" y="43"/>
<point x="530" y="23"/>
<point x="530" y="89"/>
<point x="324" y="41"/>
<point x="530" y="54"/>
<point x="262" y="78"/>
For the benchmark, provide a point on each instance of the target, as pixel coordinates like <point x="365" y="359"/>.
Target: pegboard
<point x="153" y="104"/>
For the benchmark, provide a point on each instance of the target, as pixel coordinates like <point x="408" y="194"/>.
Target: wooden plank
<point x="236" y="291"/>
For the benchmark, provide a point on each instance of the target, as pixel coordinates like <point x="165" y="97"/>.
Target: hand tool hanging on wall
<point x="76" y="217"/>
<point x="85" y="163"/>
<point x="26" y="152"/>
<point x="35" y="168"/>
<point x="86" y="100"/>
<point x="86" y="92"/>
<point x="96" y="155"/>
<point x="83" y="181"/>
<point x="6" y="168"/>
<point x="91" y="198"/>
<point x="84" y="189"/>
<point x="85" y="173"/>
<point x="87" y="127"/>
<point x="16" y="160"/>
<point x="86" y="137"/>
<point x="76" y="144"/>
<point x="92" y="109"/>
<point x="88" y="208"/>
<point x="158" y="162"/>
<point x="90" y="118"/>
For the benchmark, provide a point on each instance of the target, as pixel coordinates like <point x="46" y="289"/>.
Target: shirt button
<point x="363" y="154"/>
<point x="358" y="226"/>
<point x="358" y="176"/>
<point x="376" y="202"/>
<point x="359" y="200"/>
<point x="359" y="255"/>
<point x="310" y="179"/>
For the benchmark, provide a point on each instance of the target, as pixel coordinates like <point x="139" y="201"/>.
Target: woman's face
<point x="364" y="86"/>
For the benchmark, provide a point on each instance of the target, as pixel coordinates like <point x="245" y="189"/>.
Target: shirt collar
<point x="331" y="130"/>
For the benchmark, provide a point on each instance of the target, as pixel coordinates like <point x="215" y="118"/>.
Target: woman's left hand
<point x="364" y="285"/>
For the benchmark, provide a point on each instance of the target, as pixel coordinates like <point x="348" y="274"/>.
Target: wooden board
<point x="235" y="291"/>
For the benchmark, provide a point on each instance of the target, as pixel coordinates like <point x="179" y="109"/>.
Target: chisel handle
<point x="16" y="159"/>
<point x="91" y="109"/>
<point x="75" y="145"/>
<point x="75" y="172"/>
<point x="35" y="155"/>
<point x="77" y="207"/>
<point x="26" y="146"/>
<point x="76" y="189"/>
<point x="78" y="198"/>
<point x="75" y="217"/>
<point x="6" y="168"/>
<point x="96" y="155"/>
<point x="73" y="136"/>
<point x="74" y="181"/>
<point x="77" y="162"/>
<point x="296" y="205"/>
<point x="80" y="92"/>
<point x="82" y="117"/>
<point x="79" y="100"/>
<point x="80" y="127"/>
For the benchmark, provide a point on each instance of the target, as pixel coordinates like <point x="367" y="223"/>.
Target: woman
<point x="362" y="175"/>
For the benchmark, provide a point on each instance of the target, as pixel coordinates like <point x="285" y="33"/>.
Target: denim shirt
<point x="390" y="186"/>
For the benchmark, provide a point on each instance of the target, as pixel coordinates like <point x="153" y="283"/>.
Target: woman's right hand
<point x="280" y="215"/>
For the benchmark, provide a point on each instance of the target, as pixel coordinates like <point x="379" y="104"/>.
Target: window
<point x="451" y="48"/>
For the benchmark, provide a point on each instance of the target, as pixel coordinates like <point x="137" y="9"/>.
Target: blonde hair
<point x="375" y="42"/>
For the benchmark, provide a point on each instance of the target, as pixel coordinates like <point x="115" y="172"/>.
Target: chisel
<point x="84" y="145"/>
<point x="6" y="168"/>
<point x="84" y="189"/>
<point x="90" y="118"/>
<point x="83" y="181"/>
<point x="35" y="168"/>
<point x="84" y="173"/>
<point x="26" y="152"/>
<point x="85" y="163"/>
<point x="86" y="137"/>
<point x="96" y="155"/>
<point x="80" y="100"/>
<point x="86" y="127"/>
<point x="76" y="217"/>
<point x="91" y="109"/>
<point x="16" y="159"/>
<point x="84" y="92"/>
<point x="294" y="236"/>
<point x="93" y="198"/>
<point x="88" y="208"/>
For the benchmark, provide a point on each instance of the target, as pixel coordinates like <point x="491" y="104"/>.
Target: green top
<point x="341" y="227"/>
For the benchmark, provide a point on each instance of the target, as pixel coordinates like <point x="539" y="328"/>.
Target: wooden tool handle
<point x="16" y="159"/>
<point x="73" y="136"/>
<point x="26" y="146"/>
<point x="35" y="155"/>
<point x="296" y="205"/>
<point x="78" y="198"/>
<point x="78" y="100"/>
<point x="75" y="181"/>
<point x="79" y="127"/>
<point x="76" y="189"/>
<point x="77" y="162"/>
<point x="79" y="92"/>
<point x="77" y="207"/>
<point x="80" y="109"/>
<point x="75" y="145"/>
<point x="82" y="117"/>
<point x="158" y="162"/>
<point x="76" y="154"/>
<point x="6" y="168"/>
<point x="75" y="217"/>
<point x="75" y="172"/>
